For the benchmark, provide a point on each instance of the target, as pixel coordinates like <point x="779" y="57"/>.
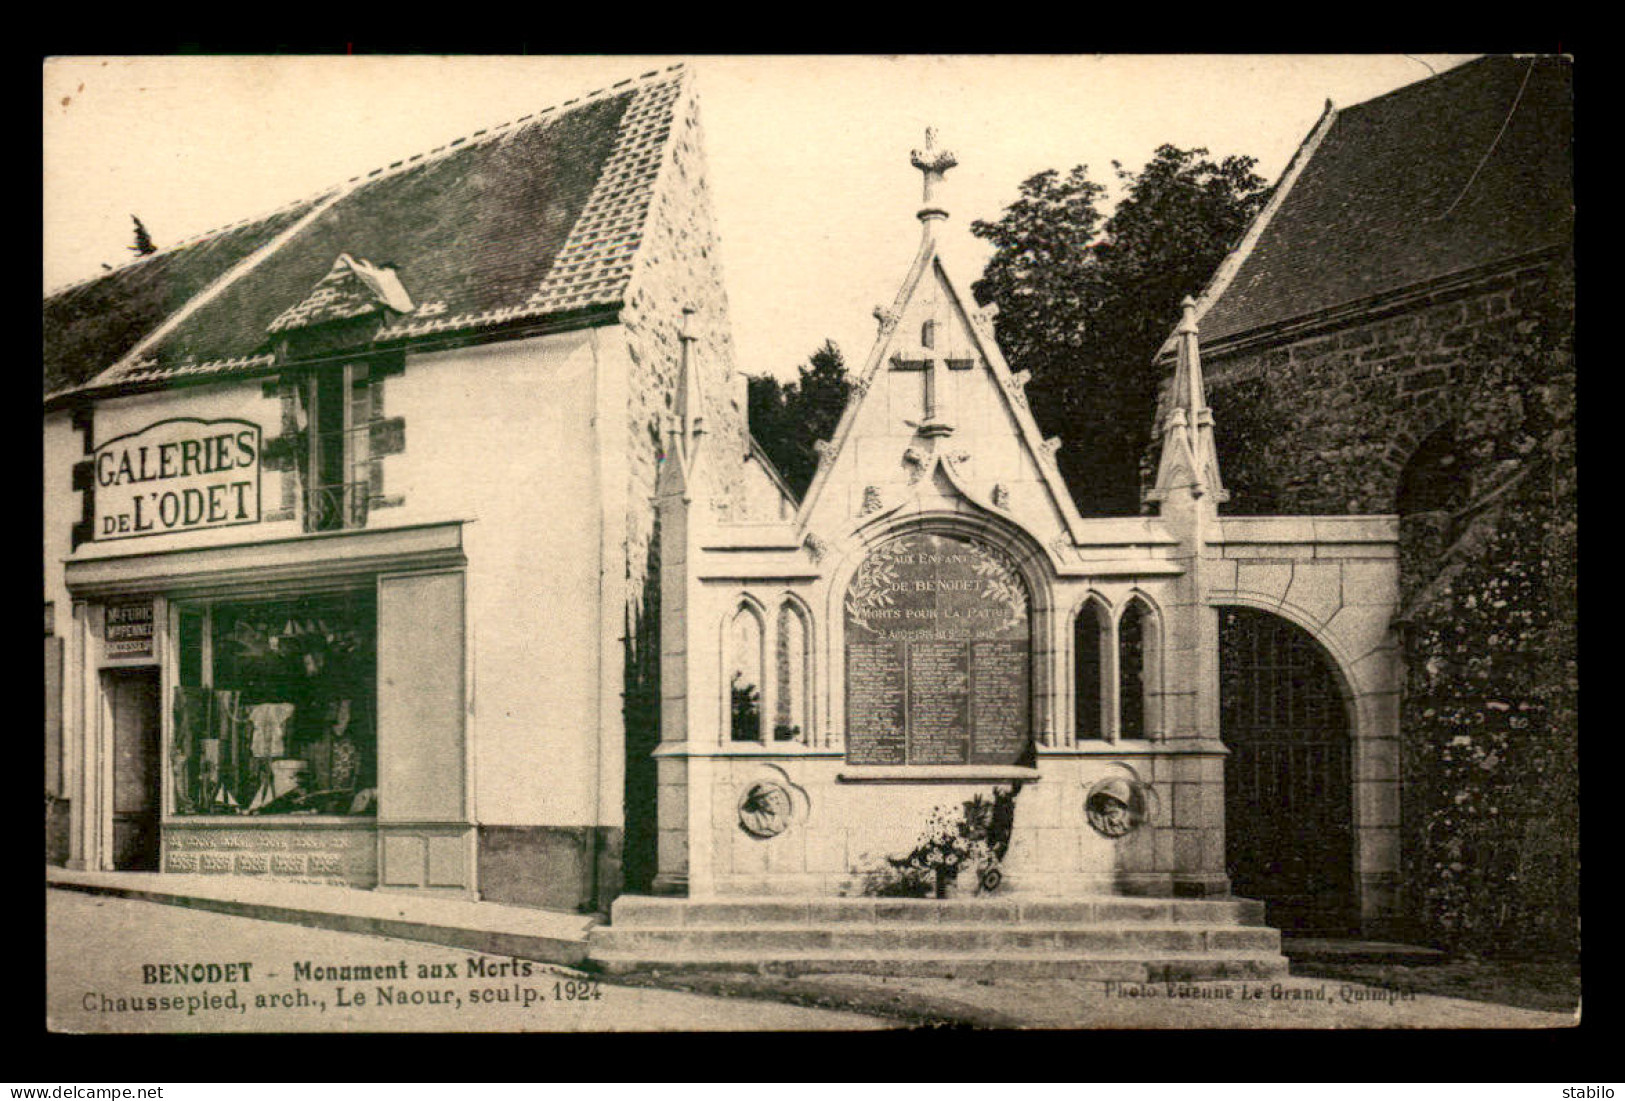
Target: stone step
<point x="1127" y="967"/>
<point x="652" y="912"/>
<point x="940" y="938"/>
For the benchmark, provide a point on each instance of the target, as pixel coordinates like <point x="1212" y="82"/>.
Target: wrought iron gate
<point x="1288" y="789"/>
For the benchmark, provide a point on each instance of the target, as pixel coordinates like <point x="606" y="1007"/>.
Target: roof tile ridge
<point x="487" y="134"/>
<point x="1419" y="81"/>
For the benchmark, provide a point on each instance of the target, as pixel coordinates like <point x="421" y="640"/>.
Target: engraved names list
<point x="938" y="663"/>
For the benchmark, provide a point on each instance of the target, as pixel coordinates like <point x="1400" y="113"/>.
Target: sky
<point x="808" y="169"/>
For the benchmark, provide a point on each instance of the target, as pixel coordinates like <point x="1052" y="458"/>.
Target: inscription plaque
<point x="938" y="655"/>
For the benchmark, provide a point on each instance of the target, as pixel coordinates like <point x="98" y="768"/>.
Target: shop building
<point x="347" y="520"/>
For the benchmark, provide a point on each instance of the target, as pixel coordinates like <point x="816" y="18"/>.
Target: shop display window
<point x="274" y="707"/>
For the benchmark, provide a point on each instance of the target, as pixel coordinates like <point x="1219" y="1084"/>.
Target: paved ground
<point x="98" y="949"/>
<point x="1074" y="1003"/>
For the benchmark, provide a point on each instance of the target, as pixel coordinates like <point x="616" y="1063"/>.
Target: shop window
<point x="338" y="416"/>
<point x="745" y="675"/>
<point x="790" y="649"/>
<point x="274" y="710"/>
<point x="1091" y="636"/>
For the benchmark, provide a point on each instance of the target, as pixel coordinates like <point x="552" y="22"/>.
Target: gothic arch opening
<point x="1289" y="792"/>
<point x="1091" y="643"/>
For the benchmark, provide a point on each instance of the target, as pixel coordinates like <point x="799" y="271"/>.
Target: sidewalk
<point x="488" y="927"/>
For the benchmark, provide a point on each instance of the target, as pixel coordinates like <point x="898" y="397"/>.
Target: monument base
<point x="1106" y="937"/>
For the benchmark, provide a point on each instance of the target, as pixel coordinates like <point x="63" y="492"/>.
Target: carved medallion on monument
<point x="1117" y="807"/>
<point x="938" y="655"/>
<point x="765" y="809"/>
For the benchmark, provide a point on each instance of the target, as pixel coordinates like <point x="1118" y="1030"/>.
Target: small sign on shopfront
<point x="182" y="474"/>
<point x="127" y="630"/>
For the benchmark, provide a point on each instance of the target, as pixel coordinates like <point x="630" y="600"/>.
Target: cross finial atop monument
<point x="934" y="164"/>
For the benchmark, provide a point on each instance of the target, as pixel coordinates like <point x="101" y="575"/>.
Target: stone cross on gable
<point x="935" y="419"/>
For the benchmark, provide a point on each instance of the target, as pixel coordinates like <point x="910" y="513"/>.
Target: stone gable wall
<point x="678" y="266"/>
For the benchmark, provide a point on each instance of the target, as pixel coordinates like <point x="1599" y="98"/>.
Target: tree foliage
<point x="788" y="418"/>
<point x="1085" y="300"/>
<point x="143" y="245"/>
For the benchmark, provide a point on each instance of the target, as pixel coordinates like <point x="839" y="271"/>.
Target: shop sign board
<point x="181" y="474"/>
<point x="127" y="630"/>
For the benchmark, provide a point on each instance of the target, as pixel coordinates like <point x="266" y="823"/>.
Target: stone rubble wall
<point x="1324" y="424"/>
<point x="679" y="266"/>
<point x="1329" y="423"/>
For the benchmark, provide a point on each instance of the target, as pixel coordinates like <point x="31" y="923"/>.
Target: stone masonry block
<point x="1267" y="581"/>
<point x="1164" y="844"/>
<point x="1378" y="671"/>
<point x="1376" y="759"/>
<point x="1371" y="582"/>
<point x="671" y="803"/>
<point x="1187" y="799"/>
<point x="1162" y="806"/>
<point x="1212" y="806"/>
<point x="1269" y="552"/>
<point x="1316" y="588"/>
<point x="1269" y="529"/>
<point x="1134" y="852"/>
<point x="1359" y="629"/>
<point x="1382" y="714"/>
<point x="1055" y="849"/>
<point x="1220" y="573"/>
<point x="1378" y="804"/>
<point x="749" y="854"/>
<point x="1379" y="849"/>
<point x="826" y="851"/>
<point x="1329" y="551"/>
<point x="1096" y="853"/>
<point x="787" y="852"/>
<point x="1188" y="770"/>
<point x="1187" y="850"/>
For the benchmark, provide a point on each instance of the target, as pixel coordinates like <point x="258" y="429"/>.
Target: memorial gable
<point x="938" y="655"/>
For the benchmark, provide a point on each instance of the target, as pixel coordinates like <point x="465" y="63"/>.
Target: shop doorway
<point x="133" y="699"/>
<point x="1289" y="828"/>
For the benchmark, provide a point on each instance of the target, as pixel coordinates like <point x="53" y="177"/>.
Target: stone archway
<point x="1289" y="785"/>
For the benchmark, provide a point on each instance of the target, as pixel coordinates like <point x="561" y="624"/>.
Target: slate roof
<point x="1383" y="202"/>
<point x="536" y="218"/>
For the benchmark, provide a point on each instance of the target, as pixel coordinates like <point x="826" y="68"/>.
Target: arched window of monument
<point x="1091" y="642"/>
<point x="790" y="698"/>
<point x="938" y="654"/>
<point x="1137" y="645"/>
<point x="744" y="681"/>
